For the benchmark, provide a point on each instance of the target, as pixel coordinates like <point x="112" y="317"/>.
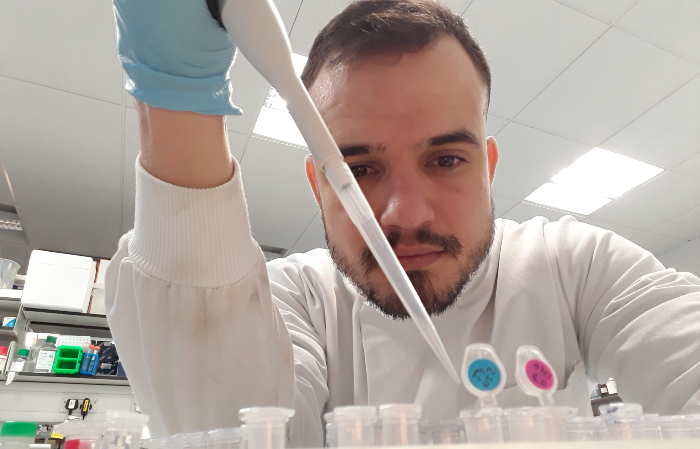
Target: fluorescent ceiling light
<point x="592" y="181"/>
<point x="274" y="120"/>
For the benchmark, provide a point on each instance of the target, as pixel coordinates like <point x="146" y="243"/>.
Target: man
<point x="205" y="328"/>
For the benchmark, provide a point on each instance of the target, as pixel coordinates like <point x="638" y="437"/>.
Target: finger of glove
<point x="178" y="37"/>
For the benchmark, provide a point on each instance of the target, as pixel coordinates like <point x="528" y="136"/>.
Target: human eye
<point x="447" y="161"/>
<point x="359" y="171"/>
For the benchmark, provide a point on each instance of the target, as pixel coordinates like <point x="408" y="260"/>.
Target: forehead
<point x="440" y="79"/>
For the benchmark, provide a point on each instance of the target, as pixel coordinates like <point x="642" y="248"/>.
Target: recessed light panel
<point x="275" y="121"/>
<point x="592" y="181"/>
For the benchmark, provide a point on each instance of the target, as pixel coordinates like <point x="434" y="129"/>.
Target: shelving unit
<point x="71" y="379"/>
<point x="33" y="319"/>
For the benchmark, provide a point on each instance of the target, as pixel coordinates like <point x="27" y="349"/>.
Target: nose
<point x="407" y="202"/>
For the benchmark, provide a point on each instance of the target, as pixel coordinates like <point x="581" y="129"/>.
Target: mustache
<point x="447" y="243"/>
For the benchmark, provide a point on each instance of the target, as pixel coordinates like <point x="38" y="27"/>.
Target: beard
<point x="436" y="300"/>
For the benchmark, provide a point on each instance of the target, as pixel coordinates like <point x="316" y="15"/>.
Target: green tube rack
<point x="68" y="359"/>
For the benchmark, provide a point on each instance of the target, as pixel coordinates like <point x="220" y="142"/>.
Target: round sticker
<point x="484" y="374"/>
<point x="539" y="374"/>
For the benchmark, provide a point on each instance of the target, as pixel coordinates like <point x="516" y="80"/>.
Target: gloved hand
<point x="175" y="54"/>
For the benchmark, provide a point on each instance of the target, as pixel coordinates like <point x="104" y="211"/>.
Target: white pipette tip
<point x="534" y="375"/>
<point x="483" y="373"/>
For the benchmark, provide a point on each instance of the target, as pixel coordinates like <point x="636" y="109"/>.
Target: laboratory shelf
<point x="71" y="379"/>
<point x="10" y="300"/>
<point x="65" y="322"/>
<point x="7" y="334"/>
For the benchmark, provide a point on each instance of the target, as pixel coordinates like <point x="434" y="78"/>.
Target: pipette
<point x="483" y="373"/>
<point x="535" y="375"/>
<point x="257" y="29"/>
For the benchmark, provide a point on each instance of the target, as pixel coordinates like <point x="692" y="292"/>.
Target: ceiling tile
<point x="249" y="91"/>
<point x="313" y="16"/>
<point x="237" y="143"/>
<point x="685" y="226"/>
<point x="533" y="42"/>
<point x="690" y="167"/>
<point x="51" y="124"/>
<point x="280" y="201"/>
<point x="653" y="203"/>
<point x="665" y="135"/>
<point x="314" y="236"/>
<point x="494" y="124"/>
<point x="63" y="188"/>
<point x="457" y="6"/>
<point x="671" y="25"/>
<point x="616" y="80"/>
<point x="68" y="45"/>
<point x="655" y="243"/>
<point x="525" y="211"/>
<point x="63" y="233"/>
<point x="604" y="10"/>
<point x="620" y="230"/>
<point x="5" y="192"/>
<point x="503" y="205"/>
<point x="288" y="9"/>
<point x="528" y="158"/>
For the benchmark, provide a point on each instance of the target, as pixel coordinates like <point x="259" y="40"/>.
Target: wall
<point x="684" y="258"/>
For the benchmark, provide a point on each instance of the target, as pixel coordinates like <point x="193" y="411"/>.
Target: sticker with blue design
<point x="484" y="374"/>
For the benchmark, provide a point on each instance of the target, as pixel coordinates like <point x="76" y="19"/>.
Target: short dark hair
<point x="375" y="27"/>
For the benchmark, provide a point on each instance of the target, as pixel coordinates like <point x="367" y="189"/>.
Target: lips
<point x="417" y="257"/>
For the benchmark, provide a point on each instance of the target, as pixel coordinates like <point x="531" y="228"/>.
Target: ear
<point x="492" y="156"/>
<point x="311" y="176"/>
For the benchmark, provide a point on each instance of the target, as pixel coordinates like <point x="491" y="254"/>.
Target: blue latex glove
<point x="175" y="54"/>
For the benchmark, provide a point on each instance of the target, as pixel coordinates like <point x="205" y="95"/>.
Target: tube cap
<point x="18" y="428"/>
<point x="3" y="350"/>
<point x="24" y="352"/>
<point x="51" y="339"/>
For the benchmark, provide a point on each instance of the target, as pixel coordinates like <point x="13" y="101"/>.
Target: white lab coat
<point x="203" y="327"/>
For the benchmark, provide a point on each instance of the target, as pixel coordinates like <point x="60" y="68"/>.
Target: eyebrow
<point x="461" y="135"/>
<point x="354" y="150"/>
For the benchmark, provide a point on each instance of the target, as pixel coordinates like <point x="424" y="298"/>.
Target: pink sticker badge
<point x="539" y="374"/>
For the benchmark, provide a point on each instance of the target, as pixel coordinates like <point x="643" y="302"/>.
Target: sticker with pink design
<point x="539" y="374"/>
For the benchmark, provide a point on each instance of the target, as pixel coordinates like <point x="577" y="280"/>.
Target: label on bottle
<point x="44" y="361"/>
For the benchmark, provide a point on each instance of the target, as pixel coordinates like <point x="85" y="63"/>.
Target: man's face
<point x="412" y="130"/>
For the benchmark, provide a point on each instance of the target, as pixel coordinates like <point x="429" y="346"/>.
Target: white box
<point x="58" y="281"/>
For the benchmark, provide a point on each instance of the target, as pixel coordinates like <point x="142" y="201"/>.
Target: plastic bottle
<point x="89" y="364"/>
<point x="19" y="363"/>
<point x="47" y="354"/>
<point x="17" y="434"/>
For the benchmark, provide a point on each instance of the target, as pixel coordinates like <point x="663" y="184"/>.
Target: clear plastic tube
<point x="355" y="425"/>
<point x="266" y="426"/>
<point x="257" y="29"/>
<point x="400" y="424"/>
<point x="484" y="425"/>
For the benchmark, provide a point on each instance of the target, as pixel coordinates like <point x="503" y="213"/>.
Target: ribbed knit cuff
<point x="194" y="237"/>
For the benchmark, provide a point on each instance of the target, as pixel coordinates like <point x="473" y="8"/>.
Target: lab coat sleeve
<point x="637" y="321"/>
<point x="189" y="307"/>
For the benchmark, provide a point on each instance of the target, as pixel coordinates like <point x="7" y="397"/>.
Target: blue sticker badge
<point x="484" y="374"/>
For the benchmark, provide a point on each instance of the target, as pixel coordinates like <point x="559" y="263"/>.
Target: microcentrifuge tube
<point x="355" y="425"/>
<point x="535" y="375"/>
<point x="266" y="426"/>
